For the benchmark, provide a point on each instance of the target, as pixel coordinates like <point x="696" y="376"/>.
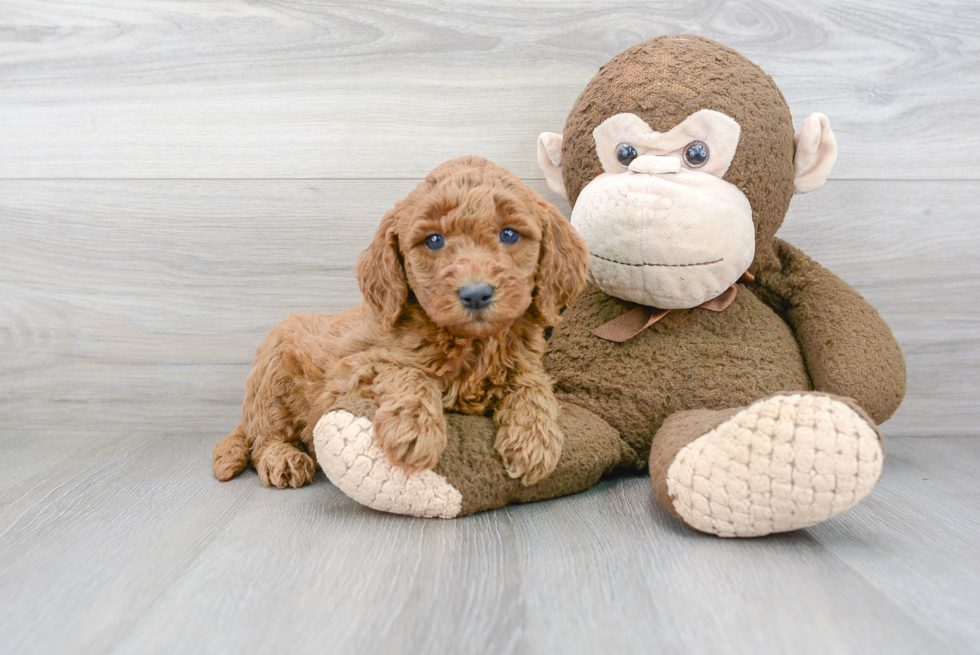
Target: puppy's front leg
<point x="409" y="425"/>
<point x="528" y="437"/>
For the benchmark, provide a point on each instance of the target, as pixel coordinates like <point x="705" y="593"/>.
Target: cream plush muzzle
<point x="671" y="240"/>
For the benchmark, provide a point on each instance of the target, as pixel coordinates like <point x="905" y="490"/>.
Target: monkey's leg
<point x="471" y="476"/>
<point x="783" y="463"/>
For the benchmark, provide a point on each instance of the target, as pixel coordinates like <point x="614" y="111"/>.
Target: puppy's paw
<point x="413" y="437"/>
<point x="230" y="456"/>
<point x="284" y="465"/>
<point x="530" y="451"/>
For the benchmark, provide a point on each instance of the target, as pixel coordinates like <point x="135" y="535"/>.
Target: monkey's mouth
<point x="615" y="261"/>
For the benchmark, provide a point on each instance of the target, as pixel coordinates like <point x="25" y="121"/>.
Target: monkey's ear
<point x="380" y="272"/>
<point x="816" y="152"/>
<point x="549" y="159"/>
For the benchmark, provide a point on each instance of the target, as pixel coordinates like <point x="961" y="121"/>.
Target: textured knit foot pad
<point x="346" y="452"/>
<point x="784" y="463"/>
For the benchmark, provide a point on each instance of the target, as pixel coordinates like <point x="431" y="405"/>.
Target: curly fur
<point x="413" y="346"/>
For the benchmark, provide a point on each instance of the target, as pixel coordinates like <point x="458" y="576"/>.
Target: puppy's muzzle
<point x="476" y="295"/>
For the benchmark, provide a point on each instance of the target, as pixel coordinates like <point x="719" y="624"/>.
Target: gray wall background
<point x="177" y="177"/>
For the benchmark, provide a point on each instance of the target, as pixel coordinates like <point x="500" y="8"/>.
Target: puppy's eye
<point x="435" y="241"/>
<point x="507" y="235"/>
<point x="625" y="153"/>
<point x="696" y="154"/>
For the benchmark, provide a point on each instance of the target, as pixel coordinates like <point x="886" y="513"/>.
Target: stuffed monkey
<point x="748" y="379"/>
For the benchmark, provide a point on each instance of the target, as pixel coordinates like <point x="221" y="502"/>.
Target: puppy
<point x="459" y="284"/>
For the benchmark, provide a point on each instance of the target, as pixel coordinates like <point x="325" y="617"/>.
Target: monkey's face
<point x="676" y="210"/>
<point x="663" y="227"/>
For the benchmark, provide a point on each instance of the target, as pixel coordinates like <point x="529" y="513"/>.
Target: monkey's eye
<point x="435" y="241"/>
<point x="507" y="235"/>
<point x="625" y="153"/>
<point x="696" y="154"/>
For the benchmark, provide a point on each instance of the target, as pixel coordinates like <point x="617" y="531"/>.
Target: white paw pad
<point x="784" y="463"/>
<point x="346" y="452"/>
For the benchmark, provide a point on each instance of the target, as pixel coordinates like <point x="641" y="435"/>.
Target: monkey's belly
<point x="690" y="359"/>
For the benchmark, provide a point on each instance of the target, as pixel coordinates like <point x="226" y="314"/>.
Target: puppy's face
<point x="477" y="248"/>
<point x="471" y="258"/>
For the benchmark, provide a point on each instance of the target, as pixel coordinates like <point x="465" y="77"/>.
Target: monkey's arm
<point x="848" y="349"/>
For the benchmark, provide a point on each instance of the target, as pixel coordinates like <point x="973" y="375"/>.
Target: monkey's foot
<point x="784" y="463"/>
<point x="348" y="455"/>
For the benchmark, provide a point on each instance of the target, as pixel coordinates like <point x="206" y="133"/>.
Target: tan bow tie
<point x="636" y="320"/>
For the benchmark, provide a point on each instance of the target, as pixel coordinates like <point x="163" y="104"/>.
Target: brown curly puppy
<point x="459" y="284"/>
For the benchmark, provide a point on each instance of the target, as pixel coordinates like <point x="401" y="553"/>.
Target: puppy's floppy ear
<point x="381" y="272"/>
<point x="562" y="264"/>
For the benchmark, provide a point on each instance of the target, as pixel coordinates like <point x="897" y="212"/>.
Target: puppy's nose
<point x="476" y="295"/>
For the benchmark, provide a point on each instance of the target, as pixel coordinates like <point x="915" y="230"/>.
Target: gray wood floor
<point x="176" y="177"/>
<point x="125" y="543"/>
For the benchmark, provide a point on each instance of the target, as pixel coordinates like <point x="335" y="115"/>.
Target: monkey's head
<point x="679" y="159"/>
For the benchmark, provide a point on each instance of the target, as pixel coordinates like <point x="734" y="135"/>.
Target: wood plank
<point x="644" y="583"/>
<point x="29" y="460"/>
<point x="83" y="555"/>
<point x="158" y="293"/>
<point x="294" y="89"/>
<point x="923" y="521"/>
<point x="108" y="547"/>
<point x="145" y="552"/>
<point x="138" y="304"/>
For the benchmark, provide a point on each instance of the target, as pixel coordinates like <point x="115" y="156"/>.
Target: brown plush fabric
<point x="471" y="464"/>
<point x="849" y="350"/>
<point x="665" y="80"/>
<point x="690" y="359"/>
